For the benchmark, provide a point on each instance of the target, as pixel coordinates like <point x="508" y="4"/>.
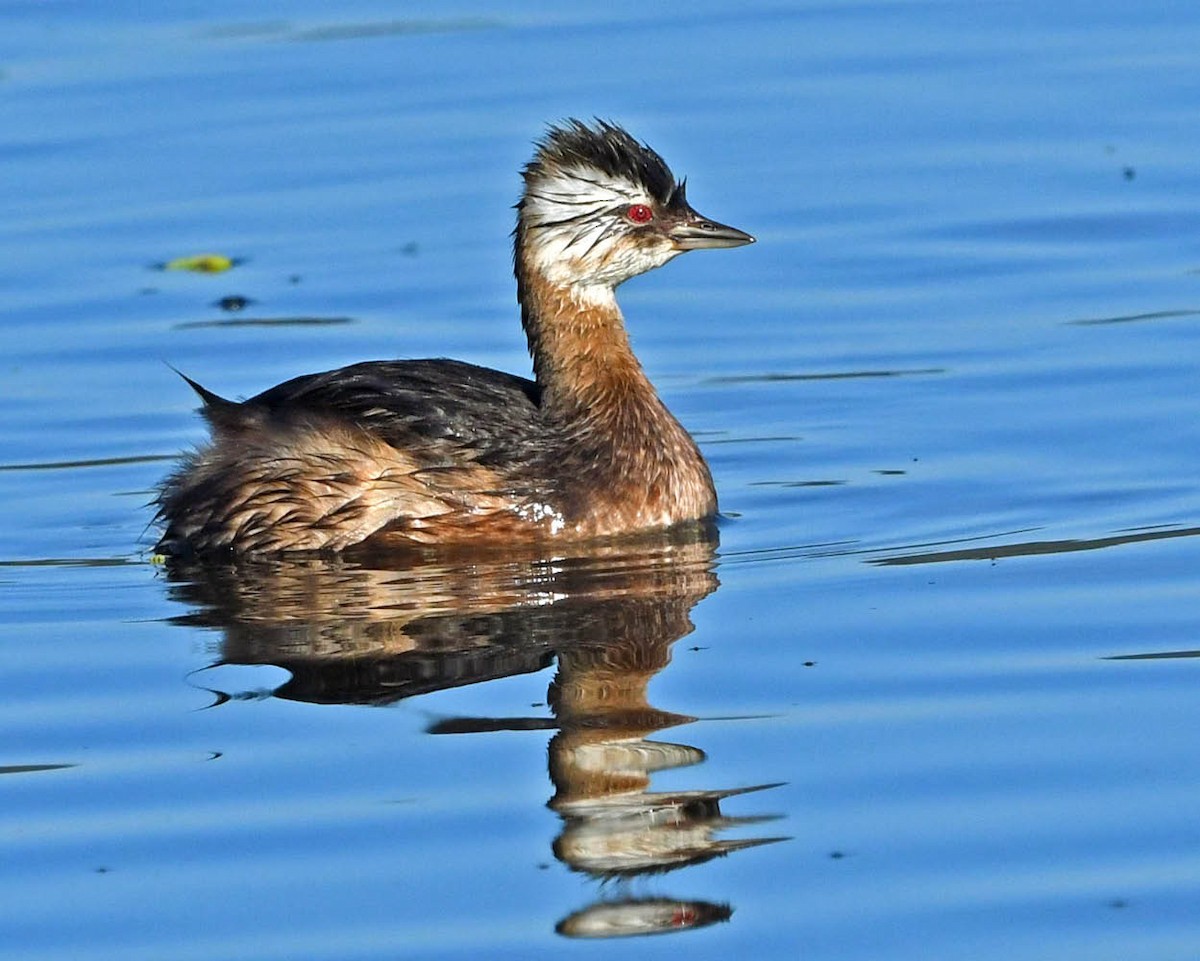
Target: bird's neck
<point x="594" y="390"/>
<point x="582" y="358"/>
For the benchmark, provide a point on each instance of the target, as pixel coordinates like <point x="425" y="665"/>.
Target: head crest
<point x="609" y="149"/>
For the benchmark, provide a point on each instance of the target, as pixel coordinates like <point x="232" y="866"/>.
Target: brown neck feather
<point x="595" y="390"/>
<point x="582" y="358"/>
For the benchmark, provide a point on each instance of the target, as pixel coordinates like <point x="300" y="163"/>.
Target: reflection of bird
<point x="601" y="763"/>
<point x="439" y="451"/>
<point x="355" y="630"/>
<point x="608" y="616"/>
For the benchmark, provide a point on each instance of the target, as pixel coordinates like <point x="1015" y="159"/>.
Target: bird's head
<point x="599" y="207"/>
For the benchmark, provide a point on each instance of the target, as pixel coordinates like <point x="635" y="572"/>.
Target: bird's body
<point x="444" y="452"/>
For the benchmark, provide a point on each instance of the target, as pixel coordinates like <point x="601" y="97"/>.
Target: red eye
<point x="640" y="214"/>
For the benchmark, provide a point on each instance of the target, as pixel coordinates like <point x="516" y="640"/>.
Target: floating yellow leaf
<point x="201" y="263"/>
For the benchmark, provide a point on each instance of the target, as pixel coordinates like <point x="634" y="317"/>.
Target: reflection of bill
<point x="356" y="630"/>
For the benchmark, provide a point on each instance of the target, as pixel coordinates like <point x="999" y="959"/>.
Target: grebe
<point x="443" y="452"/>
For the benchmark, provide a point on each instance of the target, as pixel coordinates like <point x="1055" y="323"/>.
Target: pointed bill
<point x="698" y="233"/>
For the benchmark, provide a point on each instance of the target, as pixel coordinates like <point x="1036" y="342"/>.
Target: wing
<point x="427" y="403"/>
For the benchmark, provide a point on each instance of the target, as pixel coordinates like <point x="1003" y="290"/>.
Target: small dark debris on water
<point x="410" y="249"/>
<point x="102" y="870"/>
<point x="233" y="303"/>
<point x="1128" y="173"/>
<point x="263" y="322"/>
<point x="295" y="279"/>
<point x="1118" y="903"/>
<point x="799" y="483"/>
<point x="32" y="768"/>
<point x="697" y="647"/>
<point x="810" y="663"/>
<point x="837" y="855"/>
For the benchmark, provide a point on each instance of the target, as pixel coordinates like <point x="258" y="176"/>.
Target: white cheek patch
<point x="574" y="190"/>
<point x="576" y="231"/>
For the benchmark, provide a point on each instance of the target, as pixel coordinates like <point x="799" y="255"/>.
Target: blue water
<point x="949" y="634"/>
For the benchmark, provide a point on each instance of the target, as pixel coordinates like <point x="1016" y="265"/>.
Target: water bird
<point x="442" y="452"/>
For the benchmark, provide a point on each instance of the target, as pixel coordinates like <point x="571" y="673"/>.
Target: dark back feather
<point x="489" y="411"/>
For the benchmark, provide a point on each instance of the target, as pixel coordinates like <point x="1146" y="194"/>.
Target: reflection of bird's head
<point x="599" y="207"/>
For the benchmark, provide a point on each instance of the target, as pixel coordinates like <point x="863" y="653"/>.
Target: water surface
<point x="928" y="693"/>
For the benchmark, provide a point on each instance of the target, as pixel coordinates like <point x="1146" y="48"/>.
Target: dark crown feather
<point x="607" y="148"/>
